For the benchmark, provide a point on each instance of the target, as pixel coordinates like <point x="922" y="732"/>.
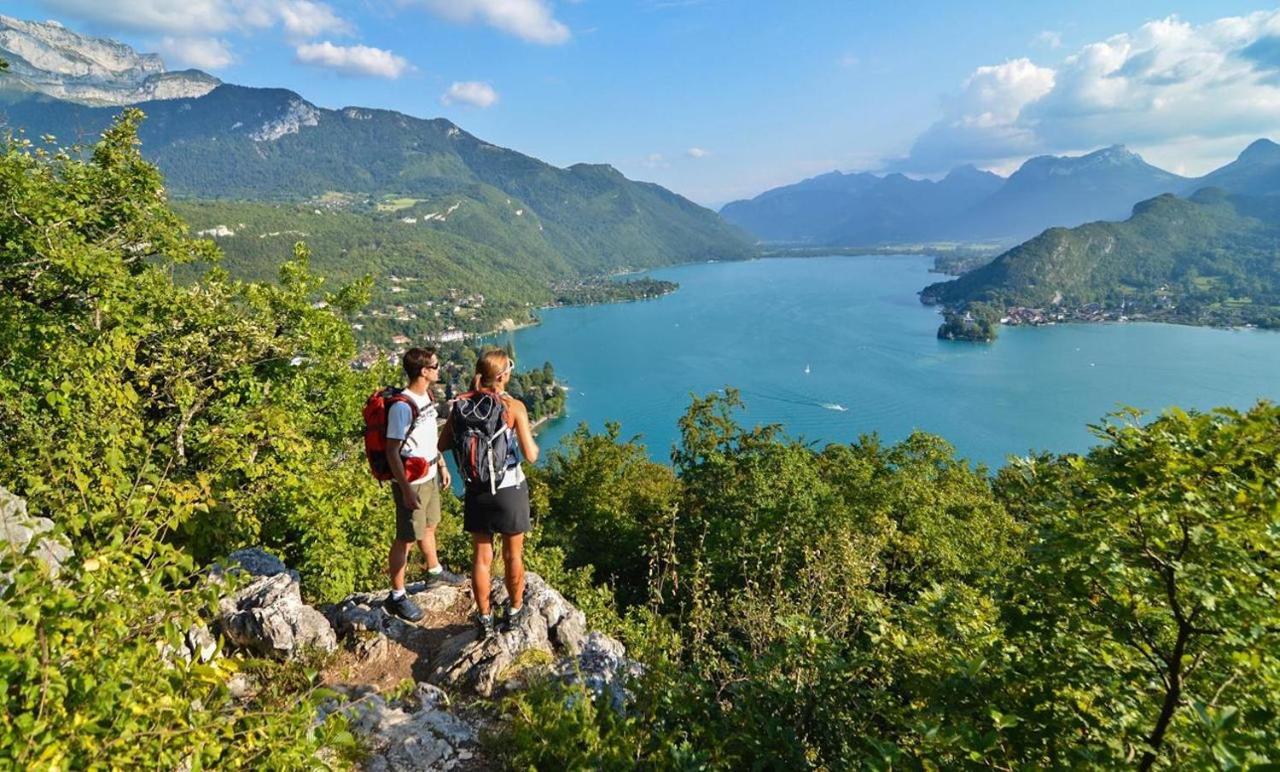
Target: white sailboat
<point x="806" y="368"/>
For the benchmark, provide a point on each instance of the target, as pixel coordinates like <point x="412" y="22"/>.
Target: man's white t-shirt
<point x="420" y="439"/>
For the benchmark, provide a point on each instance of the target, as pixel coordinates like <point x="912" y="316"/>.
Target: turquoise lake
<point x="869" y="345"/>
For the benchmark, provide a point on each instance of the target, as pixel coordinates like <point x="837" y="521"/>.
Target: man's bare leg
<point x="396" y="562"/>
<point x="427" y="545"/>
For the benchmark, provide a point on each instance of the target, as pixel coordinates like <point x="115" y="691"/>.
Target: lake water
<point x="869" y="347"/>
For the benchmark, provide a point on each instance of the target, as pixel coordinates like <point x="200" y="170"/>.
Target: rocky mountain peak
<point x="48" y="58"/>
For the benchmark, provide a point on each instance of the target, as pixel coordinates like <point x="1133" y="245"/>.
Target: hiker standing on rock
<point x="488" y="431"/>
<point x="418" y="471"/>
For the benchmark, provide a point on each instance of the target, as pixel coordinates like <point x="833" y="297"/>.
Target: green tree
<point x="158" y="425"/>
<point x="1148" y="613"/>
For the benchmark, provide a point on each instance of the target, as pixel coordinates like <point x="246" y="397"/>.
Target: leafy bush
<point x="160" y="425"/>
<point x="865" y="605"/>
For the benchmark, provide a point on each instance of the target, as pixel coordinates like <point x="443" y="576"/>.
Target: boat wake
<point x="835" y="406"/>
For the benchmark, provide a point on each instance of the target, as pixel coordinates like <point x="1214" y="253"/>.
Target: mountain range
<point x="271" y="145"/>
<point x="1045" y="192"/>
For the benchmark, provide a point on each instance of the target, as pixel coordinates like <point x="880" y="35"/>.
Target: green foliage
<point x="978" y="322"/>
<point x="221" y="408"/>
<point x="1149" y="605"/>
<point x="608" y="508"/>
<point x="876" y="606"/>
<point x="88" y="682"/>
<point x="160" y="425"/>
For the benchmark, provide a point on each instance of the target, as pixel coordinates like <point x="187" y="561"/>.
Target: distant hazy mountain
<point x="1064" y="191"/>
<point x="859" y="209"/>
<point x="967" y="205"/>
<point x="801" y="211"/>
<point x="49" y="59"/>
<point x="1212" y="258"/>
<point x="1256" y="172"/>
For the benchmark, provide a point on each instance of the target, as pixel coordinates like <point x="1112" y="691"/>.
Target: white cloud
<point x="530" y="20"/>
<point x="353" y="60"/>
<point x="1168" y="86"/>
<point x="299" y="18"/>
<point x="697" y="152"/>
<point x="1048" y="39"/>
<point x="656" y="161"/>
<point x="848" y="60"/>
<point x="202" y="53"/>
<point x="472" y="93"/>
<point x="306" y="19"/>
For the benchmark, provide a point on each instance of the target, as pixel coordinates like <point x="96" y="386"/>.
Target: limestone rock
<point x="22" y="534"/>
<point x="268" y="616"/>
<point x="553" y="627"/>
<point x="363" y="612"/>
<point x="418" y="734"/>
<point x="602" y="666"/>
<point x="51" y="59"/>
<point x="257" y="562"/>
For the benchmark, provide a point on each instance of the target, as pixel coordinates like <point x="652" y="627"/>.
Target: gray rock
<point x="201" y="645"/>
<point x="603" y="667"/>
<point x="485" y="666"/>
<point x="268" y="616"/>
<point x="417" y="735"/>
<point x="242" y="686"/>
<point x="257" y="562"/>
<point x="363" y="612"/>
<point x="566" y="626"/>
<point x="23" y="535"/>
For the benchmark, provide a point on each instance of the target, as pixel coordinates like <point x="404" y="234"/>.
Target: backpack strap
<point x="399" y="396"/>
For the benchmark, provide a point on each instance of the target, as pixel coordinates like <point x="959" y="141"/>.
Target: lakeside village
<point x="980" y="322"/>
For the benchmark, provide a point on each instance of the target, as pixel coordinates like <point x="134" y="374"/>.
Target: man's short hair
<point x="415" y="359"/>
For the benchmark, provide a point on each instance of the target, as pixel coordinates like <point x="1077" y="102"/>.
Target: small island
<point x="978" y="322"/>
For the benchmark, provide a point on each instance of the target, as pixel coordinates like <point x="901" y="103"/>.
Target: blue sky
<point x="721" y="100"/>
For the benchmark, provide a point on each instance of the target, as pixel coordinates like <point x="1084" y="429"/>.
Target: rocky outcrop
<point x="48" y="58"/>
<point x="267" y="615"/>
<point x="22" y="535"/>
<point x="419" y="732"/>
<point x="363" y="612"/>
<point x="553" y="630"/>
<point x="298" y="114"/>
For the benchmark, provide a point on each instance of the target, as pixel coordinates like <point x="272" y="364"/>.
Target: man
<point x="417" y="501"/>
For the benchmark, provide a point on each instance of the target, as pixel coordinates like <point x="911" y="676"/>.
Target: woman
<point x="500" y="505"/>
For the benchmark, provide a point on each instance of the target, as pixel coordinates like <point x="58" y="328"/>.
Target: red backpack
<point x="376" y="409"/>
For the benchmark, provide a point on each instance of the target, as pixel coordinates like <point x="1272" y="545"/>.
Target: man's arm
<point x="408" y="494"/>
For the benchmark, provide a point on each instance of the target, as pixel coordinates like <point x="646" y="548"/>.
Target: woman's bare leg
<point x="513" y="566"/>
<point x="482" y="557"/>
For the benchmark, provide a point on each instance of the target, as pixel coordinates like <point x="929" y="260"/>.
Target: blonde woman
<point x="489" y="431"/>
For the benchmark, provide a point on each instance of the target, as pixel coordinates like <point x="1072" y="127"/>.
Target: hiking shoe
<point x="446" y="577"/>
<point x="514" y="617"/>
<point x="403" y="608"/>
<point x="484" y="623"/>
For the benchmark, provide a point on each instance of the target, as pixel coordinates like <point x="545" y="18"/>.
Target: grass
<point x="396" y="204"/>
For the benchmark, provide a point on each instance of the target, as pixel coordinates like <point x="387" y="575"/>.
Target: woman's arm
<point x="524" y="433"/>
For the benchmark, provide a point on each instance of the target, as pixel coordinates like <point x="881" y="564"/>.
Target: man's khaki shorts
<point x="412" y="524"/>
